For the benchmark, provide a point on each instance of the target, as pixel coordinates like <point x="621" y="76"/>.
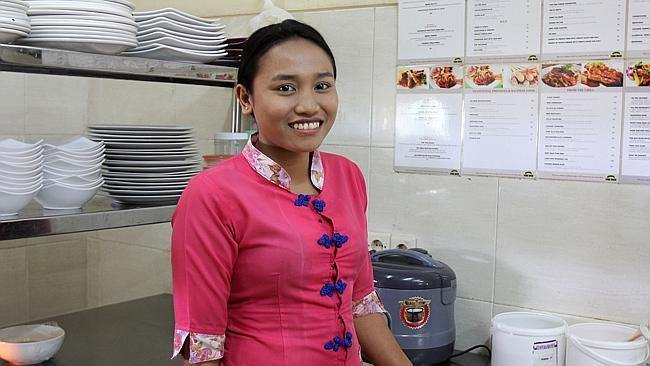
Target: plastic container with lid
<point x="226" y="145"/>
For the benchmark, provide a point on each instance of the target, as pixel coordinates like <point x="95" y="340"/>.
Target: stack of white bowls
<point x="72" y="173"/>
<point x="21" y="175"/>
<point x="98" y="26"/>
<point x="172" y="35"/>
<point x="14" y="22"/>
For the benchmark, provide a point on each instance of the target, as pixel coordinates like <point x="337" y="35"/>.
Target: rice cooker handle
<point x="423" y="259"/>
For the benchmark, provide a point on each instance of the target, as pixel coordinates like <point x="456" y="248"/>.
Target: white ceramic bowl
<point x="78" y="144"/>
<point x="54" y="154"/>
<point x="17" y="159"/>
<point x="21" y="181"/>
<point x="15" y="147"/>
<point x="80" y="161"/>
<point x="57" y="175"/>
<point x="50" y="170"/>
<point x="71" y="167"/>
<point x="20" y="168"/>
<point x="12" y="175"/>
<point x="20" y="188"/>
<point x="59" y="196"/>
<point x="30" y="344"/>
<point x="10" y="204"/>
<point x="73" y="182"/>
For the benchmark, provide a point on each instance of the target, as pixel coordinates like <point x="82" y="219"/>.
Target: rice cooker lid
<point x="410" y="269"/>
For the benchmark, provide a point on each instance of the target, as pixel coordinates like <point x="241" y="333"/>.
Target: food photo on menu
<point x="561" y="75"/>
<point x="483" y="77"/>
<point x="412" y="77"/>
<point x="639" y="73"/>
<point x="597" y="74"/>
<point x="522" y="75"/>
<point x="446" y="77"/>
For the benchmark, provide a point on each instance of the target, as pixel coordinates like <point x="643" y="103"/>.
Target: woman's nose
<point x="306" y="104"/>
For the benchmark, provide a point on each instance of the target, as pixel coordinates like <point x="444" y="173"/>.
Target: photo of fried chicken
<point x="444" y="77"/>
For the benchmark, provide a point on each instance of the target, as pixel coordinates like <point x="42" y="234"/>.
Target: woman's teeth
<point x="305" y="126"/>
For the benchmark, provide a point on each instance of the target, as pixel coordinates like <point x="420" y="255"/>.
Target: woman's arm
<point x="378" y="343"/>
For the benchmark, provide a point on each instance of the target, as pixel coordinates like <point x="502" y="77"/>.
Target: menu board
<point x="580" y="121"/>
<point x="638" y="28"/>
<point x="635" y="162"/>
<point x="431" y="30"/>
<point x="428" y="118"/>
<point x="501" y="114"/>
<point x="503" y="30"/>
<point x="583" y="29"/>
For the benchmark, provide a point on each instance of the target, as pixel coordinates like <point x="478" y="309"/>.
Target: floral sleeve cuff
<point x="370" y="304"/>
<point x="203" y="347"/>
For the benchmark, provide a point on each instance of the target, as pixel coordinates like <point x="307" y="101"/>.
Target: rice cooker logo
<point x="414" y="312"/>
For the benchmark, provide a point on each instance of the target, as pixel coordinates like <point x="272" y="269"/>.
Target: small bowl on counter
<point x="30" y="344"/>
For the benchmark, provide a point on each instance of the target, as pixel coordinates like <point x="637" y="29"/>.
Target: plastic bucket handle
<point x="534" y="333"/>
<point x="605" y="360"/>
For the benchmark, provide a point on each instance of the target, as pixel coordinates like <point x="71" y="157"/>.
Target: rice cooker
<point x="419" y="294"/>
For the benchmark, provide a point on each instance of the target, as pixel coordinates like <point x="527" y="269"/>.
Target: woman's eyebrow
<point x="319" y="75"/>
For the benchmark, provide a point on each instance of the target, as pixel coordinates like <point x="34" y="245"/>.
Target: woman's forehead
<point x="295" y="57"/>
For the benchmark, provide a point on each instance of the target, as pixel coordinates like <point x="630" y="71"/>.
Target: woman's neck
<point x="296" y="164"/>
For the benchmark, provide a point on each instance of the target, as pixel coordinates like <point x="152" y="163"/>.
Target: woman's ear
<point x="244" y="98"/>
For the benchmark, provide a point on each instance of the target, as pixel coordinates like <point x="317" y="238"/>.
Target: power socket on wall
<point x="378" y="241"/>
<point x="403" y="241"/>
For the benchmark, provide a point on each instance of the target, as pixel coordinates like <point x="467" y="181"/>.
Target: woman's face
<point x="294" y="96"/>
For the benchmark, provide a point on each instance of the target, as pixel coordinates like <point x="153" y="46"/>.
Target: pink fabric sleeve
<point x="204" y="251"/>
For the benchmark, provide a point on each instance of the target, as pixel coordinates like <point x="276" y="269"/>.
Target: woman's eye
<point x="286" y="88"/>
<point x="323" y="86"/>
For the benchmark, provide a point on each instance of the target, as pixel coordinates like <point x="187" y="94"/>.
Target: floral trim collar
<point x="272" y="171"/>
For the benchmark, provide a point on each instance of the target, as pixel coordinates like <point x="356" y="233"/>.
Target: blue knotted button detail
<point x="340" y="286"/>
<point x="303" y="200"/>
<point x="319" y="205"/>
<point x="338" y="342"/>
<point x="339" y="239"/>
<point x="327" y="290"/>
<point x="325" y="241"/>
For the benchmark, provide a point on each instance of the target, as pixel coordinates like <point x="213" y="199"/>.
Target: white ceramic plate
<point x="106" y="7"/>
<point x="201" y="41"/>
<point x="120" y="2"/>
<point x="16" y="2"/>
<point x="81" y="23"/>
<point x="155" y="151"/>
<point x="96" y="135"/>
<point x="145" y="175"/>
<point x="84" y="35"/>
<point x="175" y="42"/>
<point x="147" y="200"/>
<point x="14" y="6"/>
<point x="150" y="169"/>
<point x="149" y="180"/>
<point x="13" y="15"/>
<point x="172" y="13"/>
<point x="118" y="184"/>
<point x="124" y="128"/>
<point x="115" y="142"/>
<point x="73" y="33"/>
<point x="147" y="192"/>
<point x="194" y="26"/>
<point x="71" y="17"/>
<point x="103" y="46"/>
<point x="106" y="27"/>
<point x="15" y="26"/>
<point x="151" y="33"/>
<point x="162" y="52"/>
<point x="160" y="164"/>
<point x="8" y="35"/>
<point x="138" y="133"/>
<point x="161" y="157"/>
<point x="180" y="28"/>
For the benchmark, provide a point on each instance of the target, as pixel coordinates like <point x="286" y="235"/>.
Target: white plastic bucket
<point x="604" y="344"/>
<point x="528" y="339"/>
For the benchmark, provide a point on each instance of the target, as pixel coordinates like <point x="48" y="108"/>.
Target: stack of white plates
<point x="72" y="173"/>
<point x="98" y="26"/>
<point x="14" y="22"/>
<point x="147" y="165"/>
<point x="173" y="35"/>
<point x="20" y="174"/>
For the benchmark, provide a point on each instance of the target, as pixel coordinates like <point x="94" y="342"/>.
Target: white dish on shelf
<point x="71" y="16"/>
<point x="24" y="167"/>
<point x="82" y="23"/>
<point x="142" y="175"/>
<point x="213" y="28"/>
<point x="11" y="203"/>
<point x="15" y="27"/>
<point x="110" y="141"/>
<point x="154" y="32"/>
<point x="175" y="42"/>
<point x="58" y="174"/>
<point x="120" y="2"/>
<point x="106" y="7"/>
<point x="151" y="164"/>
<point x="175" y="14"/>
<point x="14" y="6"/>
<point x="152" y="169"/>
<point x="20" y="188"/>
<point x="18" y="148"/>
<point x="59" y="196"/>
<point x="125" y="128"/>
<point x="16" y="2"/>
<point x="77" y="144"/>
<point x="130" y="145"/>
<point x="178" y="27"/>
<point x="30" y="344"/>
<point x="162" y="52"/>
<point x="52" y="154"/>
<point x="60" y="161"/>
<point x="20" y="159"/>
<point x="96" y="35"/>
<point x="91" y="45"/>
<point x="162" y="151"/>
<point x="202" y="41"/>
<point x="149" y="200"/>
<point x="152" y="157"/>
<point x="28" y="180"/>
<point x="116" y="184"/>
<point x="57" y="31"/>
<point x="147" y="192"/>
<point x="74" y="181"/>
<point x="142" y="136"/>
<point x="20" y="176"/>
<point x="10" y="35"/>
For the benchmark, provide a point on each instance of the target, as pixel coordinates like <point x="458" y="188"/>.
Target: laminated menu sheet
<point x="431" y="30"/>
<point x="583" y="29"/>
<point x="638" y="28"/>
<point x="503" y="30"/>
<point x="580" y="120"/>
<point x="500" y="120"/>
<point x="428" y="118"/>
<point x="635" y="159"/>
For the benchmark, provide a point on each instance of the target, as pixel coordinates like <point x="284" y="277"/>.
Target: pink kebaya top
<point x="263" y="276"/>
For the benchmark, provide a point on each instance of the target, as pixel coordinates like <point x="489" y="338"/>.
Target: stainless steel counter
<point x="99" y="213"/>
<point x="138" y="333"/>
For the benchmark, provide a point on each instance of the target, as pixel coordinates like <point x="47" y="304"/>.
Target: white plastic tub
<point x="527" y="339"/>
<point x="605" y="344"/>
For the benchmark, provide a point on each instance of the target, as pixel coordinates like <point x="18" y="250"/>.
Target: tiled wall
<point x="580" y="250"/>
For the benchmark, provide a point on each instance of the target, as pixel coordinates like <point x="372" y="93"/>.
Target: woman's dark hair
<point x="262" y="40"/>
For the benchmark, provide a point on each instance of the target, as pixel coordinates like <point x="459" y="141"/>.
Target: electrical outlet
<point x="378" y="241"/>
<point x="403" y="241"/>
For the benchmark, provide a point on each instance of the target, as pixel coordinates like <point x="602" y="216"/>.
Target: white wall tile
<point x="472" y="322"/>
<point x="156" y="236"/>
<point x="570" y="319"/>
<point x="54" y="104"/>
<point x="207" y="109"/>
<point x="120" y="272"/>
<point x="237" y="26"/>
<point x="130" y="102"/>
<point x="360" y="155"/>
<point x="349" y="34"/>
<point x="14" y="302"/>
<point x="574" y="248"/>
<point x="453" y="218"/>
<point x="383" y="84"/>
<point x="57" y="278"/>
<point x="12" y="104"/>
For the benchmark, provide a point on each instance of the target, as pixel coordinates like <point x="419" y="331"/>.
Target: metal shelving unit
<point x="100" y="212"/>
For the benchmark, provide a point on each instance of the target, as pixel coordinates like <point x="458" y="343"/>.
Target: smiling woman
<point x="269" y="248"/>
